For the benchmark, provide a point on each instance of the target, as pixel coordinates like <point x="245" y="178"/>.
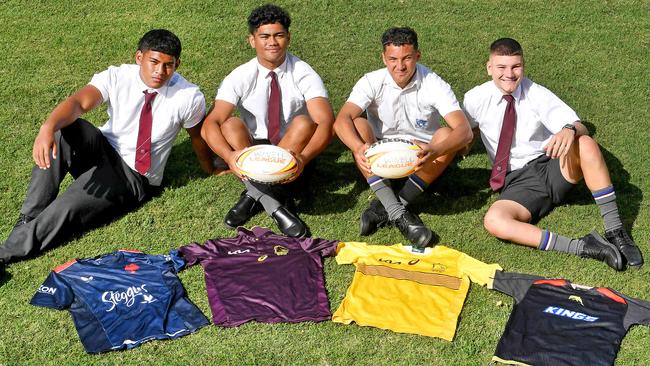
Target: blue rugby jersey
<point x="122" y="299"/>
<point x="556" y="322"/>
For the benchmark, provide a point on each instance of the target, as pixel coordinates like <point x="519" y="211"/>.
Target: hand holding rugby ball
<point x="392" y="158"/>
<point x="267" y="164"/>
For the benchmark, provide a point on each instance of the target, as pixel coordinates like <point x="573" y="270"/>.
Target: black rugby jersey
<point x="555" y="322"/>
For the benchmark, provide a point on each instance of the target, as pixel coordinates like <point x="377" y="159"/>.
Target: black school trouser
<point x="104" y="188"/>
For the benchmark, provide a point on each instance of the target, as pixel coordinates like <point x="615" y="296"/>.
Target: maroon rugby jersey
<point x="262" y="276"/>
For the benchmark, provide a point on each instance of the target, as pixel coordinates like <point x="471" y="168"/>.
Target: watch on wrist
<point x="571" y="127"/>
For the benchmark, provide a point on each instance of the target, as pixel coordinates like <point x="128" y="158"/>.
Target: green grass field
<point x="593" y="54"/>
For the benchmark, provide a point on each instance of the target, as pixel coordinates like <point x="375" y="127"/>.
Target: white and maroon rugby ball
<point x="266" y="164"/>
<point x="392" y="158"/>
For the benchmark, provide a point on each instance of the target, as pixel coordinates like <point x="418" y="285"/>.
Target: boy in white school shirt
<point x="404" y="100"/>
<point x="549" y="152"/>
<point x="305" y="119"/>
<point x="117" y="166"/>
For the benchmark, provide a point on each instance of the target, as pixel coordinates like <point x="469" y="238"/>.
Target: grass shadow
<point x="182" y="166"/>
<point x="327" y="185"/>
<point x="457" y="190"/>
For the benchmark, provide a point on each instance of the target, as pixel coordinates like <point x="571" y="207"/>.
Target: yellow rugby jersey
<point x="407" y="292"/>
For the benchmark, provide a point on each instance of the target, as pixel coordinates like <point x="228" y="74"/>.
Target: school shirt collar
<point x="144" y="87"/>
<point x="499" y="94"/>
<point x="415" y="80"/>
<point x="279" y="71"/>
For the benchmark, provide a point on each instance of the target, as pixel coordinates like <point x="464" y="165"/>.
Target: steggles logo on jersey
<point x="577" y="299"/>
<point x="127" y="297"/>
<point x="46" y="290"/>
<point x="570" y="314"/>
<point x="280" y="250"/>
<point x="262" y="258"/>
<point x="147" y="299"/>
<point x="238" y="251"/>
<point x="413" y="262"/>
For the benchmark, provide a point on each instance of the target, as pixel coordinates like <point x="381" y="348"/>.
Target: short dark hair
<point x="160" y="40"/>
<point x="399" y="36"/>
<point x="506" y="47"/>
<point x="268" y="14"/>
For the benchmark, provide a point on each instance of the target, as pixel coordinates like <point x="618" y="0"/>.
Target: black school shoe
<point x="626" y="245"/>
<point x="372" y="218"/>
<point x="597" y="248"/>
<point x="412" y="227"/>
<point x="242" y="211"/>
<point x="288" y="223"/>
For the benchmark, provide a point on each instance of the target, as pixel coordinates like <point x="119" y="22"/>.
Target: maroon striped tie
<point x="274" y="110"/>
<point x="500" y="166"/>
<point x="143" y="148"/>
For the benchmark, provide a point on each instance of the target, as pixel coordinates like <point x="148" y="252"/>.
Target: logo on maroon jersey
<point x="131" y="267"/>
<point x="280" y="250"/>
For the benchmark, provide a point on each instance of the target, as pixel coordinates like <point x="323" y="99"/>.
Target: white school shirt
<point x="249" y="86"/>
<point x="540" y="115"/>
<point x="412" y="112"/>
<point x="179" y="103"/>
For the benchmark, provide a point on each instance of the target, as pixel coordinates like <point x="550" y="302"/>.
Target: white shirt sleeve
<point x="469" y="110"/>
<point x="552" y="111"/>
<point x="311" y="85"/>
<point x="196" y="110"/>
<point x="227" y="90"/>
<point x="444" y="98"/>
<point x="104" y="80"/>
<point x="362" y="93"/>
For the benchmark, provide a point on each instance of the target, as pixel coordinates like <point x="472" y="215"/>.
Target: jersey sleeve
<point x="638" y="312"/>
<point x="53" y="293"/>
<point x="513" y="284"/>
<point x="349" y="252"/>
<point x="194" y="253"/>
<point x="362" y="93"/>
<point x="324" y="247"/>
<point x="174" y="260"/>
<point x="478" y="272"/>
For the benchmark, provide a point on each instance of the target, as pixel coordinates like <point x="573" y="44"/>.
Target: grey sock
<point x="413" y="187"/>
<point x="262" y="193"/>
<point x="606" y="201"/>
<point x="559" y="243"/>
<point x="387" y="197"/>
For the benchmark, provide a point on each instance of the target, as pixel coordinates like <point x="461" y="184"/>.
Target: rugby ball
<point x="392" y="158"/>
<point x="267" y="164"/>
